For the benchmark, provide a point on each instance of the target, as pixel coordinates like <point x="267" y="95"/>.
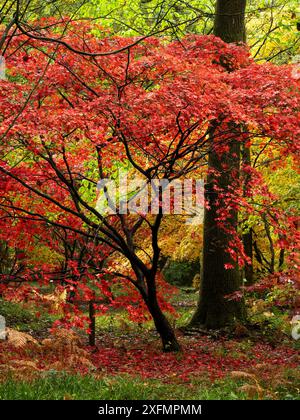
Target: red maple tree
<point x="70" y="115"/>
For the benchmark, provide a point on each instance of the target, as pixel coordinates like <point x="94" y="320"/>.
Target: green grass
<point x="111" y="320"/>
<point x="57" y="386"/>
<point x="24" y="319"/>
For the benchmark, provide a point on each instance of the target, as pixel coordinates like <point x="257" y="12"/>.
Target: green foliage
<point x="181" y="273"/>
<point x="277" y="38"/>
<point x="141" y="17"/>
<point x="271" y="26"/>
<point x="24" y="319"/>
<point x="273" y="311"/>
<point x="285" y="183"/>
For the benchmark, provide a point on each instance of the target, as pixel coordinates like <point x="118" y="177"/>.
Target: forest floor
<point x="127" y="362"/>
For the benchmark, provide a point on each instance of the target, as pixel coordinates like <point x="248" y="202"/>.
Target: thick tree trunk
<point x="229" y="22"/>
<point x="214" y="310"/>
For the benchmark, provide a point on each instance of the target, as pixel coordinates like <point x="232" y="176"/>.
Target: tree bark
<point x="92" y="317"/>
<point x="248" y="249"/>
<point x="229" y="22"/>
<point x="162" y="324"/>
<point x="214" y="310"/>
<point x="248" y="236"/>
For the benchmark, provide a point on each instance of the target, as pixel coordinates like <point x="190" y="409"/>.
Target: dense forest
<point x="149" y="199"/>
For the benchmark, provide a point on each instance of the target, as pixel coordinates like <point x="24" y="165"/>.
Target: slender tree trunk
<point x="162" y="325"/>
<point x="214" y="310"/>
<point x="281" y="259"/>
<point x="248" y="249"/>
<point x="92" y="317"/>
<point x="248" y="236"/>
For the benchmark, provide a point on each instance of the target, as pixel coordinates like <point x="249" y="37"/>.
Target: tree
<point x="214" y="309"/>
<point x="158" y="107"/>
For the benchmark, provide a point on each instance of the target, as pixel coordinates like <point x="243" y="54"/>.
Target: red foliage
<point x="200" y="358"/>
<point x="152" y="104"/>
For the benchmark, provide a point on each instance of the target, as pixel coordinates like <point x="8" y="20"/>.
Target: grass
<point x="115" y="319"/>
<point x="57" y="386"/>
<point x="24" y="319"/>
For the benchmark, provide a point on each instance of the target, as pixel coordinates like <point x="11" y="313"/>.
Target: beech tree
<point x="214" y="309"/>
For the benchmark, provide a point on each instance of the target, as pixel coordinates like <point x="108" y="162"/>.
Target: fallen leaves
<point x="201" y="357"/>
<point x="19" y="339"/>
<point x="258" y="373"/>
<point x="23" y="356"/>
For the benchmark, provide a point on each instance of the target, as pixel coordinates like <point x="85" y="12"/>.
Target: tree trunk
<point x="92" y="317"/>
<point x="281" y="259"/>
<point x="248" y="236"/>
<point x="229" y="22"/>
<point x="214" y="310"/>
<point x="162" y="325"/>
<point x="248" y="248"/>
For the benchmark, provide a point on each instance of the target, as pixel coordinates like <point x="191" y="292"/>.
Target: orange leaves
<point x="18" y="339"/>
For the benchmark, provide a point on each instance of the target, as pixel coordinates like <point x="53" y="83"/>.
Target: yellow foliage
<point x="53" y="301"/>
<point x="196" y="281"/>
<point x="65" y="344"/>
<point x="180" y="241"/>
<point x="237" y="374"/>
<point x="252" y="390"/>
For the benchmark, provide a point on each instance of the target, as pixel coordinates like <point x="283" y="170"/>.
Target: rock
<point x="3" y="332"/>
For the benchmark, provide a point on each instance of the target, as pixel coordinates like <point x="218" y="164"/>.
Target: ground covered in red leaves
<point x="201" y="356"/>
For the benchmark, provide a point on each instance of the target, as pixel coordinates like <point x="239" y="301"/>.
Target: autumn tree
<point x="214" y="309"/>
<point x="75" y="107"/>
